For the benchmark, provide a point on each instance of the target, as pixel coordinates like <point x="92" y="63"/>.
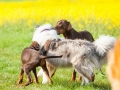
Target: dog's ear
<point x="69" y="26"/>
<point x="35" y="45"/>
<point x="45" y="48"/>
<point x="58" y="24"/>
<point x="54" y="44"/>
<point x="36" y="26"/>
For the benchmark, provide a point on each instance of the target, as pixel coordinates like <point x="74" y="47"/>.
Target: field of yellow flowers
<point x="81" y="13"/>
<point x="101" y="11"/>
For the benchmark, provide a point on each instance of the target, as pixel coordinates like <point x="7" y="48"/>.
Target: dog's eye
<point x="60" y="25"/>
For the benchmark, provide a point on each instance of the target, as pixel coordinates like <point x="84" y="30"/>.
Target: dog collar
<point x="46" y="30"/>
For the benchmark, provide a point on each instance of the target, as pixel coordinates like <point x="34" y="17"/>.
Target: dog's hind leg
<point x="35" y="75"/>
<point x="29" y="81"/>
<point x="21" y="76"/>
<point x="79" y="79"/>
<point x="73" y="76"/>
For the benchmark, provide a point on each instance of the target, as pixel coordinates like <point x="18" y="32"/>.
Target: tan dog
<point x="31" y="58"/>
<point x="113" y="66"/>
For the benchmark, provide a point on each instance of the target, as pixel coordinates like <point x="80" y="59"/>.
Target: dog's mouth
<point x="57" y="29"/>
<point x="58" y="33"/>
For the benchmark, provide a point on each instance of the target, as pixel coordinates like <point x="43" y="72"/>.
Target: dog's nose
<point x="55" y="27"/>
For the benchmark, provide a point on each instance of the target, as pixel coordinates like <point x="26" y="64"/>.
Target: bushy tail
<point x="103" y="44"/>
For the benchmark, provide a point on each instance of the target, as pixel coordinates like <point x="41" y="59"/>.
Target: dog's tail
<point x="102" y="45"/>
<point x="45" y="57"/>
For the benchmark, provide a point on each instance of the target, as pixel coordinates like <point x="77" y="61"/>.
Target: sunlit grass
<point x="15" y="37"/>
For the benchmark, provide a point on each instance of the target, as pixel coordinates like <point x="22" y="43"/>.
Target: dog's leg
<point x="83" y="81"/>
<point x="29" y="81"/>
<point x="51" y="69"/>
<point x="73" y="76"/>
<point x="35" y="75"/>
<point x="40" y="73"/>
<point x="21" y="76"/>
<point x="79" y="79"/>
<point x="45" y="79"/>
<point x="86" y="73"/>
<point x="46" y="74"/>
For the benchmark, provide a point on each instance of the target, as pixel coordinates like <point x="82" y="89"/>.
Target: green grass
<point x="14" y="37"/>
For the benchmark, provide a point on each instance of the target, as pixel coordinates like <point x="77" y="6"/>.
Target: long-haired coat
<point x="83" y="55"/>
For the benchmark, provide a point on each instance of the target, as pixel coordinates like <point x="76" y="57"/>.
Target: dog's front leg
<point x="40" y="73"/>
<point x="46" y="75"/>
<point x="51" y="69"/>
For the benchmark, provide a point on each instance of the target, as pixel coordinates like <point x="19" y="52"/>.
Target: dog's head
<point x="35" y="45"/>
<point x="62" y="26"/>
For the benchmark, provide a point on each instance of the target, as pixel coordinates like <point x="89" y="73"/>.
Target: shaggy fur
<point x="44" y="33"/>
<point x="83" y="55"/>
<point x="31" y="58"/>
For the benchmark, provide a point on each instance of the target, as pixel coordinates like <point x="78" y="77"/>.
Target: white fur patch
<point x="42" y="27"/>
<point x="42" y="37"/>
<point x="103" y="43"/>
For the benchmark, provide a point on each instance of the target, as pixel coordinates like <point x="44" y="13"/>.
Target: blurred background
<point x="95" y="16"/>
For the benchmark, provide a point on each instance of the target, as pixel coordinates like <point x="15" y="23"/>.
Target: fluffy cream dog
<point x="113" y="66"/>
<point x="83" y="55"/>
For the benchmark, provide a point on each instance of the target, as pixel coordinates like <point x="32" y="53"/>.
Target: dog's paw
<point x="44" y="82"/>
<point x="40" y="73"/>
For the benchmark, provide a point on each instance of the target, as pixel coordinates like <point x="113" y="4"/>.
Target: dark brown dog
<point x="31" y="58"/>
<point x="64" y="27"/>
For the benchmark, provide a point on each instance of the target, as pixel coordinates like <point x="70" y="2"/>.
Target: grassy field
<point x="17" y="22"/>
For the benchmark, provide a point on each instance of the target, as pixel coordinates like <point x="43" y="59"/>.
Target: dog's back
<point x="28" y="53"/>
<point x="72" y="50"/>
<point x="86" y="35"/>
